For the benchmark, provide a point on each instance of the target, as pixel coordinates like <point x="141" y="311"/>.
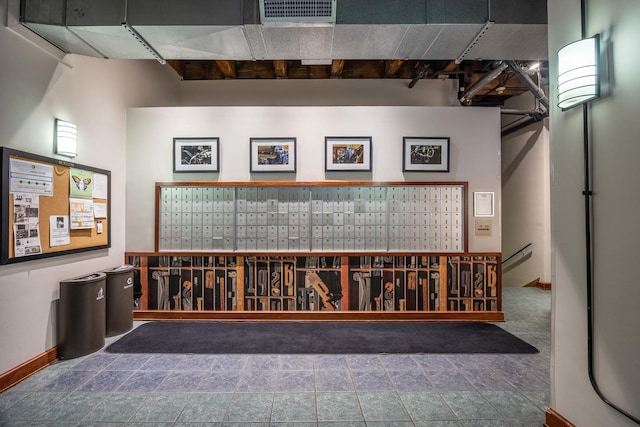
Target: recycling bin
<point x="119" y="318"/>
<point x="81" y="315"/>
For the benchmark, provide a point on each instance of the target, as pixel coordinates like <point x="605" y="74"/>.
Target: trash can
<point x="81" y="315"/>
<point x="119" y="317"/>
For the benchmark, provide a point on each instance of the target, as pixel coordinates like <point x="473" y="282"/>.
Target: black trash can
<point x="81" y="315"/>
<point x="119" y="300"/>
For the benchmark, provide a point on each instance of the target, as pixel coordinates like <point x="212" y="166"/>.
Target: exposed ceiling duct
<point x="256" y="39"/>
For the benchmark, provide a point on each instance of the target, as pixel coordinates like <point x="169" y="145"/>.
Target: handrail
<point x="517" y="252"/>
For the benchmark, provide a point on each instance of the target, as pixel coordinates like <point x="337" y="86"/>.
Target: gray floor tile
<point x="410" y="380"/>
<point x="343" y="406"/>
<point x="342" y="424"/>
<point x="294" y="407"/>
<point x="69" y="380"/>
<point x="448" y="380"/>
<point x="162" y="362"/>
<point x="364" y="362"/>
<point x="105" y="381"/>
<point x="95" y="362"/>
<point x="426" y="406"/>
<point x="382" y="407"/>
<point x="74" y="406"/>
<point x="143" y="381"/>
<point x="250" y="407"/>
<point x="218" y="381"/>
<point x="469" y="405"/>
<point x="160" y="407"/>
<point x="257" y="381"/>
<point x="438" y="424"/>
<point x="371" y="380"/>
<point x="205" y="407"/>
<point x="128" y="362"/>
<point x="334" y="380"/>
<point x="330" y="362"/>
<point x="513" y="406"/>
<point x="296" y="362"/>
<point x="290" y="381"/>
<point x="115" y="407"/>
<point x="486" y="379"/>
<point x="180" y="381"/>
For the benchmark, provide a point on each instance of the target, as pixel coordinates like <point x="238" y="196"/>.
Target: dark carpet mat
<point x="324" y="337"/>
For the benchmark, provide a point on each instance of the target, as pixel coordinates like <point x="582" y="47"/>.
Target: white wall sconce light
<point x="66" y="137"/>
<point x="578" y="79"/>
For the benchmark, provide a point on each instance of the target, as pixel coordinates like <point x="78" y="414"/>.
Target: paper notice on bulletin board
<point x="59" y="230"/>
<point x="100" y="186"/>
<point x="80" y="182"/>
<point x="26" y="231"/>
<point x="81" y="213"/>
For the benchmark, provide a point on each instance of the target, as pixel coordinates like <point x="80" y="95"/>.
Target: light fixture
<point x="578" y="80"/>
<point x="66" y="136"/>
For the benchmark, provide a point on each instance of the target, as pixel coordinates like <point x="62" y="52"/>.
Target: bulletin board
<point x="51" y="207"/>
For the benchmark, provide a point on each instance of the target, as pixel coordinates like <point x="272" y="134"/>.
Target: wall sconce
<point x="66" y="136"/>
<point x="578" y="80"/>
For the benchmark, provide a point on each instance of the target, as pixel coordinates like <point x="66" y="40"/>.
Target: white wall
<point x="526" y="199"/>
<point x="474" y="133"/>
<point x="614" y="133"/>
<point x="93" y="93"/>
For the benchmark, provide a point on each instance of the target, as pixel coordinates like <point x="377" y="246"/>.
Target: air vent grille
<point x="298" y="10"/>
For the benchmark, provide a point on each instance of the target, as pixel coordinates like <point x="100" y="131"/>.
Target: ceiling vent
<point x="320" y="11"/>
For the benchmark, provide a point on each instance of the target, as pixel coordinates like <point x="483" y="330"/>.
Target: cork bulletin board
<point x="51" y="207"/>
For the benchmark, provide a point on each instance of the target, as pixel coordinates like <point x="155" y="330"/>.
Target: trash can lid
<point x="121" y="269"/>
<point x="84" y="279"/>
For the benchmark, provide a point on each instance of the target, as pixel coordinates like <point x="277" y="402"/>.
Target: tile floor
<point x="422" y="390"/>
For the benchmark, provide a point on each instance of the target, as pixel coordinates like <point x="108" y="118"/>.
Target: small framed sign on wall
<point x="196" y="155"/>
<point x="425" y="154"/>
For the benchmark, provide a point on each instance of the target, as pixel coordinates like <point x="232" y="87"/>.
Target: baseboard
<point x="544" y="286"/>
<point x="28" y="368"/>
<point x="443" y="316"/>
<point x="554" y="419"/>
<point x="536" y="283"/>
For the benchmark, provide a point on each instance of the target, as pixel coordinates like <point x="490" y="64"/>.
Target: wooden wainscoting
<point x="28" y="368"/>
<point x="554" y="419"/>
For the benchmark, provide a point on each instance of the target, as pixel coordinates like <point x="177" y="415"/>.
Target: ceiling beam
<point x="451" y="66"/>
<point x="228" y="68"/>
<point x="280" y="68"/>
<point x="337" y="65"/>
<point x="391" y="67"/>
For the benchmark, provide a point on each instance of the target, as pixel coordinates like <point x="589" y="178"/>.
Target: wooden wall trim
<point x="450" y="316"/>
<point x="544" y="286"/>
<point x="554" y="419"/>
<point x="28" y="368"/>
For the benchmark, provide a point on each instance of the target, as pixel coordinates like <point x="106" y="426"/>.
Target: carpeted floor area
<point x="221" y="337"/>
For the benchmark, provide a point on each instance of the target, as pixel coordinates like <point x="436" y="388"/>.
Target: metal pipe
<point x="491" y="75"/>
<point x="534" y="88"/>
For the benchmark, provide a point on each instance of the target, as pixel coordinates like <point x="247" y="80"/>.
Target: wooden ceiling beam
<point x="280" y="68"/>
<point x="451" y="66"/>
<point x="337" y="65"/>
<point x="391" y="67"/>
<point x="178" y="67"/>
<point x="228" y="68"/>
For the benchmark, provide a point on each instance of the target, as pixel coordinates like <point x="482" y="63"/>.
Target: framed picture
<point x="483" y="205"/>
<point x="196" y="154"/>
<point x="273" y="154"/>
<point x="425" y="154"/>
<point x="347" y="153"/>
